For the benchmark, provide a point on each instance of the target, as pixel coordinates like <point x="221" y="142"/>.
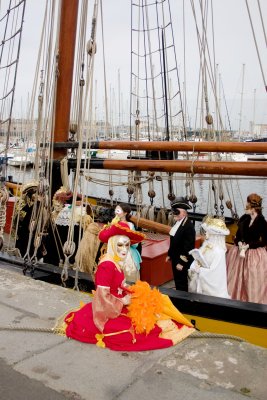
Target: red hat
<point x="120" y="228"/>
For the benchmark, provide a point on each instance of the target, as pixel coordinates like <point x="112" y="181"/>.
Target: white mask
<point x="119" y="211"/>
<point x="122" y="247"/>
<point x="180" y="216"/>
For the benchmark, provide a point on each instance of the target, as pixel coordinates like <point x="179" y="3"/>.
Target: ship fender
<point x="144" y="212"/>
<point x="151" y="213"/>
<point x="170" y="219"/>
<point x="161" y="216"/>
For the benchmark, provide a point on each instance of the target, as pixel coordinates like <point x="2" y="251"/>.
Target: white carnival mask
<point x="119" y="211"/>
<point x="122" y="247"/>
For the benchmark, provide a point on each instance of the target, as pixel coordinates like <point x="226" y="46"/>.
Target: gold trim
<point x="124" y="229"/>
<point x="100" y="336"/>
<point x="171" y="331"/>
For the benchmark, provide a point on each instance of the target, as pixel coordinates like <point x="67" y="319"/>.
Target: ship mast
<point x="241" y="104"/>
<point x="66" y="51"/>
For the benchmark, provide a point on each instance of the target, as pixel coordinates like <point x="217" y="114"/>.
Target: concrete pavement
<point x="54" y="367"/>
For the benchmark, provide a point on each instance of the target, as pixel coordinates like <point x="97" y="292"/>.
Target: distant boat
<point x="113" y="154"/>
<point x="20" y="161"/>
<point x="257" y="156"/>
<point x="234" y="157"/>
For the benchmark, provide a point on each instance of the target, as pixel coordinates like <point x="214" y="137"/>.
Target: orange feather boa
<point x="145" y="308"/>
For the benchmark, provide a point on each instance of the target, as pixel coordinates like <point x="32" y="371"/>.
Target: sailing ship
<point x="62" y="150"/>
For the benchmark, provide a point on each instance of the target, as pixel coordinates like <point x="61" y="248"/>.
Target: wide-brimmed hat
<point x="180" y="202"/>
<point x="29" y="187"/>
<point x="215" y="226"/>
<point x="120" y="228"/>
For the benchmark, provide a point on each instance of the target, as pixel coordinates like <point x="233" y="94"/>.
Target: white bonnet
<point x="215" y="226"/>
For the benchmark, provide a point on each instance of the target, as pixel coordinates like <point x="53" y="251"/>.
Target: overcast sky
<point x="233" y="42"/>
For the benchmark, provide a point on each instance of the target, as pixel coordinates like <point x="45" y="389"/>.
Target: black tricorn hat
<point x="180" y="202"/>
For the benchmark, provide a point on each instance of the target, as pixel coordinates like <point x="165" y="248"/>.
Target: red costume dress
<point x="105" y="322"/>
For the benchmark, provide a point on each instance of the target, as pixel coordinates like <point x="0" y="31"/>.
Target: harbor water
<point x="208" y="190"/>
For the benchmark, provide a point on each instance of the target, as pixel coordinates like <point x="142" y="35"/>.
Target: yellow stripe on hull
<point x="254" y="335"/>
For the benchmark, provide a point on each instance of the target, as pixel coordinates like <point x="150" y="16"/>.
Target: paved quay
<point x="46" y="366"/>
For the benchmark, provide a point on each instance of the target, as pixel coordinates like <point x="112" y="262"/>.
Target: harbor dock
<point x="36" y="363"/>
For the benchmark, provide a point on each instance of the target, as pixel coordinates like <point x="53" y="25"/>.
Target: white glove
<point x="242" y="249"/>
<point x="195" y="267"/>
<point x="126" y="300"/>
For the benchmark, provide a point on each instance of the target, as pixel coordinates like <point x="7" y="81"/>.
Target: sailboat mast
<point x="253" y="119"/>
<point x="241" y="105"/>
<point x="165" y="88"/>
<point x="66" y="51"/>
<point x="169" y="155"/>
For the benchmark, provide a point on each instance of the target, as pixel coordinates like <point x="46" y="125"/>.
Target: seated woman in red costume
<point x="121" y="317"/>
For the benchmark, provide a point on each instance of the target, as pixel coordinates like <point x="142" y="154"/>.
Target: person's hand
<point x="167" y="259"/>
<point x="179" y="267"/>
<point x="242" y="249"/>
<point x="124" y="284"/>
<point x="126" y="300"/>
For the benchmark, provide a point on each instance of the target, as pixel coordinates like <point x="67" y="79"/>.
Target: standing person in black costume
<point x="182" y="240"/>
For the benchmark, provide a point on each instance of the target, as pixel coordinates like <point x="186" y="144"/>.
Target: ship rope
<point x="231" y="201"/>
<point x="207" y="66"/>
<point x="37" y="225"/>
<point x="10" y="45"/>
<point x="85" y="88"/>
<point x="130" y="185"/>
<point x="41" y="208"/>
<point x="154" y="74"/>
<point x="255" y="40"/>
<point x="208" y="75"/>
<point x="143" y="53"/>
<point x="85" y="113"/>
<point x="106" y="182"/>
<point x="145" y="85"/>
<point x="106" y="109"/>
<point x="46" y="72"/>
<point x="204" y="72"/>
<point x="4" y="196"/>
<point x="40" y="158"/>
<point x="40" y="212"/>
<point x="11" y="25"/>
<point x="194" y="335"/>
